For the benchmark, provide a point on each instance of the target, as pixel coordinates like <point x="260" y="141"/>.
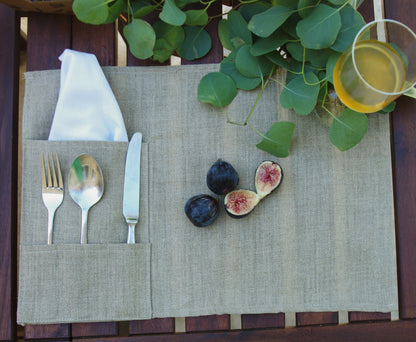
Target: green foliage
<point x="320" y="29"/>
<point x="348" y="130"/>
<point x="301" y="93"/>
<point x="305" y="37"/>
<point x="141" y="38"/>
<point x="217" y="89"/>
<point x="197" y="43"/>
<point x="233" y="31"/>
<point x="277" y="139"/>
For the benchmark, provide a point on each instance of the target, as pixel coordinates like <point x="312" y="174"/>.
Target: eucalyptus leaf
<point x="351" y="23"/>
<point x="348" y="129"/>
<point x="217" y="89"/>
<point x="277" y="59"/>
<point x="174" y="35"/>
<point x="330" y="65"/>
<point x="263" y="46"/>
<point x="411" y="93"/>
<point x="320" y="29"/>
<point x="388" y="109"/>
<point x="277" y="139"/>
<point x="227" y="66"/>
<point x="233" y="31"/>
<point x="301" y="96"/>
<point x="252" y="66"/>
<point x="168" y="39"/>
<point x="286" y="3"/>
<point x="91" y="11"/>
<point x="197" y="43"/>
<point x="171" y="14"/>
<point x="338" y="2"/>
<point x="142" y="8"/>
<point x="296" y="50"/>
<point x="162" y="50"/>
<point x="141" y="38"/>
<point x="250" y="9"/>
<point x="265" y="23"/>
<point x="289" y="26"/>
<point x="318" y="58"/>
<point x="305" y="7"/>
<point x="198" y="17"/>
<point x="114" y="10"/>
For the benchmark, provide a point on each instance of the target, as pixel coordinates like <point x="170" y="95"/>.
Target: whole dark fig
<point x="202" y="210"/>
<point x="268" y="177"/>
<point x="240" y="203"/>
<point x="222" y="177"/>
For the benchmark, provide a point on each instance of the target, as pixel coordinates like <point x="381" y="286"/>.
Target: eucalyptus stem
<point x="264" y="85"/>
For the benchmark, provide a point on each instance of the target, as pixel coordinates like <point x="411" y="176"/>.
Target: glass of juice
<point x="378" y="67"/>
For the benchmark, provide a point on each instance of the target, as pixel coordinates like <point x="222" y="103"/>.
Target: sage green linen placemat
<point x="324" y="241"/>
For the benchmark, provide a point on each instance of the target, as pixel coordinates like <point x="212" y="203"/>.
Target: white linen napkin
<point x="86" y="107"/>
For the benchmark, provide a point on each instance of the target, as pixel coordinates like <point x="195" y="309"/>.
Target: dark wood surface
<point x="9" y="33"/>
<point x="48" y="35"/>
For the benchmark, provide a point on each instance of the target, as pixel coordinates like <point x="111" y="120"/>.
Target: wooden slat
<point x="9" y="59"/>
<point x="48" y="35"/>
<point x="97" y="39"/>
<point x="404" y="170"/>
<point x="207" y="323"/>
<point x="262" y="321"/>
<point x="316" y="318"/>
<point x="152" y="326"/>
<point x="367" y="10"/>
<point x="356" y="316"/>
<point x="403" y="331"/>
<point x="61" y="331"/>
<point x="94" y="329"/>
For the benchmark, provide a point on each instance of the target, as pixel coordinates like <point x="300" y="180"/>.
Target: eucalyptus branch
<point x="260" y="93"/>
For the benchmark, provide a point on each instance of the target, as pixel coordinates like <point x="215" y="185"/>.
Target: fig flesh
<point x="202" y="210"/>
<point x="240" y="203"/>
<point x="268" y="177"/>
<point x="222" y="177"/>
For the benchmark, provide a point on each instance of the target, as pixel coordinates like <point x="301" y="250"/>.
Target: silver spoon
<point x="86" y="187"/>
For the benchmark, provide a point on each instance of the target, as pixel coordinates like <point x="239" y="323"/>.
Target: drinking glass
<point x="378" y="67"/>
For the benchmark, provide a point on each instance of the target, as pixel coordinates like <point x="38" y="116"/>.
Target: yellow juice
<point x="380" y="66"/>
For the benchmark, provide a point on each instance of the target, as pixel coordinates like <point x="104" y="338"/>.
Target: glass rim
<point x="365" y="27"/>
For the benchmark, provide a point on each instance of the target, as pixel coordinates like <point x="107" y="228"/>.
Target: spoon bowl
<point x="86" y="187"/>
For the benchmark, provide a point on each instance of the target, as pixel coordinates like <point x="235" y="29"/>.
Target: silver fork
<point x="52" y="190"/>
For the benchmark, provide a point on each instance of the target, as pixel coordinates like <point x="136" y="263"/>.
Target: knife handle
<point x="130" y="235"/>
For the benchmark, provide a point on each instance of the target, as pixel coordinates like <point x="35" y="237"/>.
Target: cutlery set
<point x="86" y="187"/>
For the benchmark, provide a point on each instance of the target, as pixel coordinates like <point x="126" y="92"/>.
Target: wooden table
<point x="47" y="36"/>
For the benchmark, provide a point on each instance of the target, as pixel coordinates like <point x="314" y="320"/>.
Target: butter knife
<point x="131" y="194"/>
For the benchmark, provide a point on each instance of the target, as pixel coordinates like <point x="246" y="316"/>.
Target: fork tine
<point x="49" y="171"/>
<point x="58" y="166"/>
<point x="55" y="182"/>
<point x="43" y="172"/>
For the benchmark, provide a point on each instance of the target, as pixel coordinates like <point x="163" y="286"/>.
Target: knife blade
<point x="131" y="194"/>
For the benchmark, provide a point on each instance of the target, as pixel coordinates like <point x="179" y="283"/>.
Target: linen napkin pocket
<point x="104" y="280"/>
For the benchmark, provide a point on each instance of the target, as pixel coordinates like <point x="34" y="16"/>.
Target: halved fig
<point x="268" y="177"/>
<point x="202" y="210"/>
<point x="240" y="203"/>
<point x="222" y="177"/>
